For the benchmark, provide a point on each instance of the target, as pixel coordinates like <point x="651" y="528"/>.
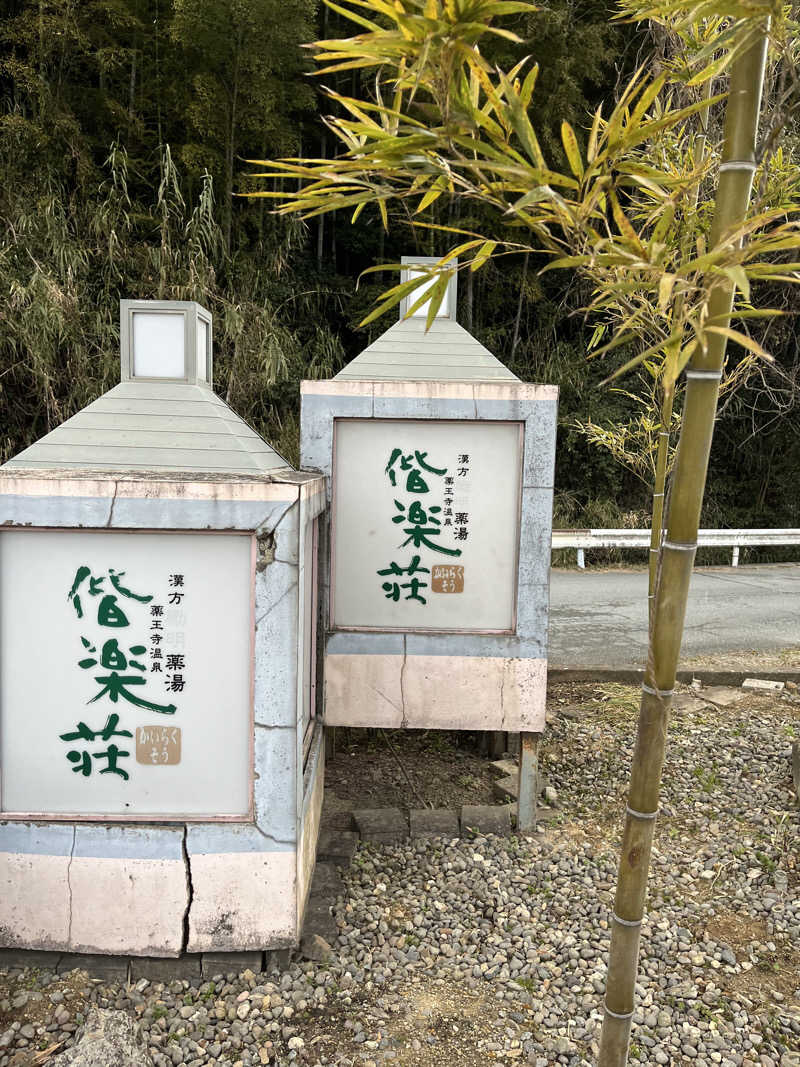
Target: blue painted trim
<point x="141" y="513"/>
<point x="370" y="644"/>
<point x="217" y="839"/>
<point x="37" y="839"/>
<point x="390" y="407"/>
<point x="479" y="646"/>
<point x="129" y="842"/>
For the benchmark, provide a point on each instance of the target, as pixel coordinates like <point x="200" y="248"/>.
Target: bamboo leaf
<point x="665" y="287"/>
<point x="652" y="350"/>
<point x="591" y="150"/>
<point x="528" y="86"/>
<point x="353" y="16"/>
<point x="712" y="70"/>
<point x="647" y="97"/>
<point x="432" y="195"/>
<point x="757" y="313"/>
<point x="393" y="296"/>
<point x="741" y="339"/>
<point x="571" y="150"/>
<point x="484" y="254"/>
<point x="738" y="276"/>
<point x="566" y="261"/>
<point x="622" y="221"/>
<point x="665" y="221"/>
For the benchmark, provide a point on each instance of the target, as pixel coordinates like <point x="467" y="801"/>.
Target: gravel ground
<point x="492" y="951"/>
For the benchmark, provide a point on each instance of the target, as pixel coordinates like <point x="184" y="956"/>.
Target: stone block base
<point x="11" y="958"/>
<point x="337" y="846"/>
<point x="440" y="822"/>
<point x="110" y="968"/>
<point x="226" y="962"/>
<point x="382" y="826"/>
<point x="486" y="818"/>
<point x="164" y="970"/>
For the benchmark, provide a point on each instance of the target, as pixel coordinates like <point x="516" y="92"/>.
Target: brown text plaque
<point x="158" y="745"/>
<point x="447" y="578"/>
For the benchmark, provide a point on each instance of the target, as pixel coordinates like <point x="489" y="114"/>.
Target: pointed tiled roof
<point x="446" y="352"/>
<point x="154" y="426"/>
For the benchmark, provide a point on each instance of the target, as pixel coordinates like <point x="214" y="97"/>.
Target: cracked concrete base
<point x="435" y="692"/>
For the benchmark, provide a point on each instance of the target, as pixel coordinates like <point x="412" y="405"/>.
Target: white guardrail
<point x="735" y="539"/>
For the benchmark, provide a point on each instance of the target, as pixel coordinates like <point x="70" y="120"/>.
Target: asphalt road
<point x="599" y="618"/>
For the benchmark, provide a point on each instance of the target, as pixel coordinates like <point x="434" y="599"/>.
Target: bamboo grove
<point x="122" y="135"/>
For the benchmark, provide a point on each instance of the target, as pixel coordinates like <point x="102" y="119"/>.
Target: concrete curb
<point x="635" y="675"/>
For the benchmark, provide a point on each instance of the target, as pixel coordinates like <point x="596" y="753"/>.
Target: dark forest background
<point x="124" y="130"/>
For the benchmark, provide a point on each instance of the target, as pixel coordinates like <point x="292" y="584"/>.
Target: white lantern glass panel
<point x="422" y="311"/>
<point x="202" y="350"/>
<point x="158" y="344"/>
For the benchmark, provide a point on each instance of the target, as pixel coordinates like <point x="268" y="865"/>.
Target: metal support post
<point x="735" y="560"/>
<point x="528" y="781"/>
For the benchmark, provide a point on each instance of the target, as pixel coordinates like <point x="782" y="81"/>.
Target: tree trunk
<point x="469" y="300"/>
<point x="132" y="84"/>
<point x="520" y="299"/>
<point x="321" y="218"/>
<point x="675" y="565"/>
<point x="158" y="79"/>
<point x="230" y="148"/>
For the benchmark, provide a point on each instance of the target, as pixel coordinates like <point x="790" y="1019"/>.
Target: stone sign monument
<point x="161" y="765"/>
<point x="436" y="566"/>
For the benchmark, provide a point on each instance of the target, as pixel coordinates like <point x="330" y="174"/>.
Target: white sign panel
<point x="426" y="524"/>
<point x="125" y="665"/>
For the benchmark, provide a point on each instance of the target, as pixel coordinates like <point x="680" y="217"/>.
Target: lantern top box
<point x="411" y="265"/>
<point x="164" y="415"/>
<point x="166" y="340"/>
<point x="409" y="351"/>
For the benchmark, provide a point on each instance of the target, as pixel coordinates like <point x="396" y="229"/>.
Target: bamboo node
<point x="627" y="922"/>
<point x="716" y="375"/>
<point x="738" y="164"/>
<point x="657" y="692"/>
<point x="641" y="814"/>
<point x="617" y="1014"/>
<point x="681" y="546"/>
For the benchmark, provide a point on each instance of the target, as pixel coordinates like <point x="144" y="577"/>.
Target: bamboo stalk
<point x="668" y="399"/>
<point x="675" y="564"/>
<point x="659" y="489"/>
